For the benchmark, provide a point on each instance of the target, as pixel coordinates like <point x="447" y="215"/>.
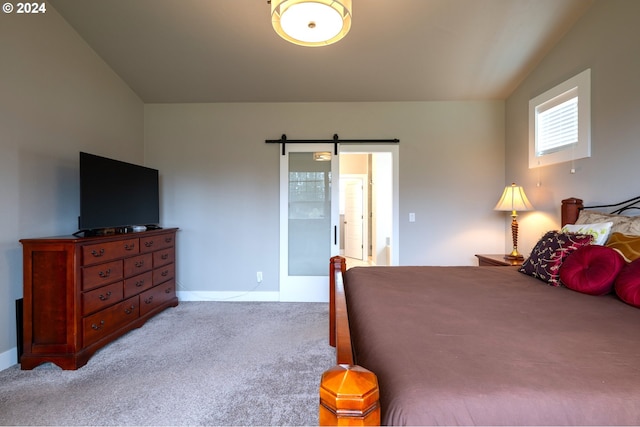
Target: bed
<point x="492" y="345"/>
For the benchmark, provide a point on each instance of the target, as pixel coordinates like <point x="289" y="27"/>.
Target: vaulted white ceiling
<point x="397" y="50"/>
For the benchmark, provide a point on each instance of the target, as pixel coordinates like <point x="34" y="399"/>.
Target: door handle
<point x="335" y="234"/>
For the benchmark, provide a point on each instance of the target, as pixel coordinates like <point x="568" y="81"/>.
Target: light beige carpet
<point x="201" y="363"/>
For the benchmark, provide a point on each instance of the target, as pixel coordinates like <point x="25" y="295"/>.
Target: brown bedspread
<point x="491" y="346"/>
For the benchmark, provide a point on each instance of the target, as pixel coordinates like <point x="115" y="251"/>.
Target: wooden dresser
<point x="81" y="293"/>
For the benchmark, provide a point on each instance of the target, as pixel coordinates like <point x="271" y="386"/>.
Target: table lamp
<point x="513" y="199"/>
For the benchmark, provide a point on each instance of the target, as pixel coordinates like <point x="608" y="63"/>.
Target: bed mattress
<point x="492" y="346"/>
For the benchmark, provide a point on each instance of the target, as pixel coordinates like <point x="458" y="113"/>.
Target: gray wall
<point x="56" y="99"/>
<point x="221" y="180"/>
<point x="605" y="40"/>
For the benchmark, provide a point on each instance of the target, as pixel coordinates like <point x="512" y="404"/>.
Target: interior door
<point x="354" y="218"/>
<point x="308" y="221"/>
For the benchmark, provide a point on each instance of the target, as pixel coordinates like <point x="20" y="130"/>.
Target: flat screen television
<point x="116" y="195"/>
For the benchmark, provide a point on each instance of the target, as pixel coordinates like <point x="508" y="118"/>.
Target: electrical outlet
<point x="259" y="276"/>
<point x="412" y="217"/>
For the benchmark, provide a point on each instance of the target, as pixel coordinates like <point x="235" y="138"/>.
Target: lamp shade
<point x="311" y="22"/>
<point x="513" y="199"/>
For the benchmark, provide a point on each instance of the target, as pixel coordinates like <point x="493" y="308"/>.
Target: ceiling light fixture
<point x="311" y="22"/>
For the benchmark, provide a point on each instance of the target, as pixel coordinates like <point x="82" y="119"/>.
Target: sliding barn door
<point x="308" y="220"/>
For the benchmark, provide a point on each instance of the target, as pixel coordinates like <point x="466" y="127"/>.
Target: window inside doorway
<point x="308" y="194"/>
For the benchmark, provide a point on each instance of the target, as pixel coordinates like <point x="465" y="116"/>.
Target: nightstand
<point x="497" y="260"/>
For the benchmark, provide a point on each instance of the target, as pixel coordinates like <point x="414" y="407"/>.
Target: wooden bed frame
<point x="349" y="394"/>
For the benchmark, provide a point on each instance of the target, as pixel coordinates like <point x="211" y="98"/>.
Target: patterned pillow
<point x="628" y="246"/>
<point x="591" y="269"/>
<point x="627" y="284"/>
<point x="621" y="223"/>
<point x="549" y="253"/>
<point x="599" y="231"/>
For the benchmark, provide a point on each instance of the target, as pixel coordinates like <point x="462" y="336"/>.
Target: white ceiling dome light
<point x="311" y="22"/>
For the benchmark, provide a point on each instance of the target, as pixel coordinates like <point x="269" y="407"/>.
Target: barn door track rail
<point x="335" y="141"/>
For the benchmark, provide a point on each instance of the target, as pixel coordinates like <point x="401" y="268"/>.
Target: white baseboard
<point x="8" y="358"/>
<point x="227" y="296"/>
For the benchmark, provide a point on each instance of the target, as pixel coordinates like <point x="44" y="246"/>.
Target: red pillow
<point x="591" y="269"/>
<point x="627" y="284"/>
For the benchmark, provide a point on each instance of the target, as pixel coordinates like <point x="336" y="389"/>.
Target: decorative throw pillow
<point x="627" y="284"/>
<point x="591" y="269"/>
<point x="621" y="223"/>
<point x="628" y="246"/>
<point x="549" y="253"/>
<point x="599" y="231"/>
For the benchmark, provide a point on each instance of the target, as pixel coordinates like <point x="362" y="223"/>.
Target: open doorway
<point x="369" y="205"/>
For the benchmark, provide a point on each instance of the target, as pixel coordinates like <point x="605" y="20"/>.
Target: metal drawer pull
<point x="148" y="300"/>
<point x="129" y="247"/>
<point x="130" y="309"/>
<point x="105" y="274"/>
<point x="168" y="240"/>
<point x="167" y="291"/>
<point x="139" y="264"/>
<point x="98" y="327"/>
<point x="97" y="254"/>
<point x="148" y="244"/>
<point x="105" y="297"/>
<point x="164" y="273"/>
<point x="164" y="256"/>
<point x="140" y="283"/>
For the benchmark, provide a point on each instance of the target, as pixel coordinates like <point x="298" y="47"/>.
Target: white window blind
<point x="557" y="127"/>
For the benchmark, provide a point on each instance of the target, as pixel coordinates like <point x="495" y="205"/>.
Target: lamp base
<point x="514" y="255"/>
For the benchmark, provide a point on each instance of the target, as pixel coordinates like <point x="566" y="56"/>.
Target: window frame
<point x="581" y="86"/>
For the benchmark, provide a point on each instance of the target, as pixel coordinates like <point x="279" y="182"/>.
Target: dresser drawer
<point x="164" y="256"/>
<point x="164" y="273"/>
<point x="101" y="252"/>
<point x="110" y="319"/>
<point x="102" y="274"/>
<point x="157" y="296"/>
<point x="135" y="285"/>
<point x="153" y="243"/>
<point x="137" y="264"/>
<point x="101" y="297"/>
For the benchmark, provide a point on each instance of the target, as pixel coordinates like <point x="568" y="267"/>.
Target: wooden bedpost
<point x="349" y="394"/>
<point x="570" y="210"/>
